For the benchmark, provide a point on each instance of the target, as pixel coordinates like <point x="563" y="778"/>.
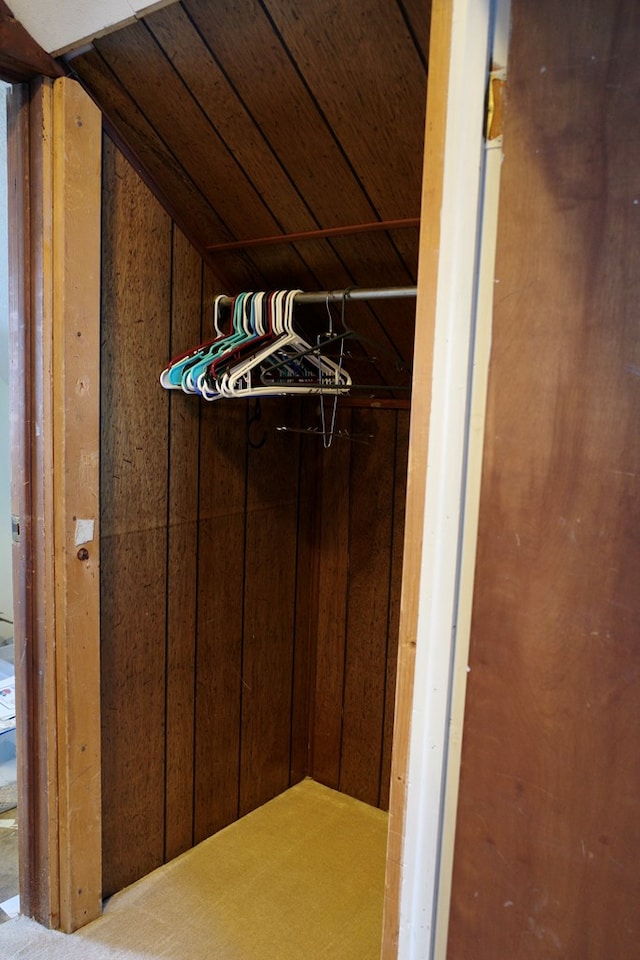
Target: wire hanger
<point x="332" y="337"/>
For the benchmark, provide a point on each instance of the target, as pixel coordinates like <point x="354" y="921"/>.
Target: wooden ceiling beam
<point x="21" y="57"/>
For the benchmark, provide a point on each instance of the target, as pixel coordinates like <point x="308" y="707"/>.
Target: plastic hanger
<point x="171" y="377"/>
<point x="192" y="374"/>
<point x="257" y="324"/>
<point x="333" y="338"/>
<point x="262" y="342"/>
<point x="302" y="370"/>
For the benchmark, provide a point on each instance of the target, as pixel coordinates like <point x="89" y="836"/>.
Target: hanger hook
<point x="343" y="315"/>
<point x="329" y="314"/>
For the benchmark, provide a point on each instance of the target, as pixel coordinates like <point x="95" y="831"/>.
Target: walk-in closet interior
<point x="251" y="547"/>
<point x="251" y="551"/>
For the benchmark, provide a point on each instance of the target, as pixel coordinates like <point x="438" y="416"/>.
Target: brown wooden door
<point x="548" y="832"/>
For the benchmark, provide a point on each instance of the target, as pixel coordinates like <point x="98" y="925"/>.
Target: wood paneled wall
<point x="222" y="562"/>
<point x="198" y="591"/>
<point x="360" y="547"/>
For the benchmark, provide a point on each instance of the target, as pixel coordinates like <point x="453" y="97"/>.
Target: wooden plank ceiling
<point x="259" y="118"/>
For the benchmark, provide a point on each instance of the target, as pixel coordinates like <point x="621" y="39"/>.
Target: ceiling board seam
<point x="412" y="33"/>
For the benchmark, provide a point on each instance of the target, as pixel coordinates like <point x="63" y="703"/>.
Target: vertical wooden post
<point x="54" y="260"/>
<point x="30" y="227"/>
<point x="440" y="482"/>
<point x="76" y="432"/>
<point x="432" y="189"/>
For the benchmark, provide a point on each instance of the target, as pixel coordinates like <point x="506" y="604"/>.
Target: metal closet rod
<point x="351" y="293"/>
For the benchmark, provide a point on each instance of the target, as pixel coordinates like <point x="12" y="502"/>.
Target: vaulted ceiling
<point x="255" y="119"/>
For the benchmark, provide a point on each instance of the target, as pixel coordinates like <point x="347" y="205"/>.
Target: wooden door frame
<point x="54" y="160"/>
<point x="451" y="357"/>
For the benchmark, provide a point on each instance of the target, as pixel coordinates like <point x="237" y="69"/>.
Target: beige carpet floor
<point x="302" y="877"/>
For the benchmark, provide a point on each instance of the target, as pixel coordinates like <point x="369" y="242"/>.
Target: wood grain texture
<point x="76" y="431"/>
<point x="296" y="127"/>
<point x="43" y="692"/>
<point x="357" y="62"/>
<point x="182" y="555"/>
<point x="548" y="840"/>
<point x="199" y="70"/>
<point x="370" y="537"/>
<point x="223" y="453"/>
<point x="356" y="641"/>
<point x="316" y="160"/>
<point x="198" y="146"/>
<point x="176" y="192"/>
<point x="201" y="533"/>
<point x="212" y="641"/>
<point x="395" y="589"/>
<point x="300" y="132"/>
<point x="417" y="14"/>
<point x="333" y="266"/>
<point x="269" y="611"/>
<point x="134" y="458"/>
<point x="385" y="73"/>
<point x="306" y="609"/>
<point x="29" y="248"/>
<point x="133" y="706"/>
<point x="432" y="189"/>
<point x="332" y="609"/>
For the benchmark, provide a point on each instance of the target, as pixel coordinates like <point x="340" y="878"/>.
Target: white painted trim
<point x="475" y="450"/>
<point x="461" y="215"/>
